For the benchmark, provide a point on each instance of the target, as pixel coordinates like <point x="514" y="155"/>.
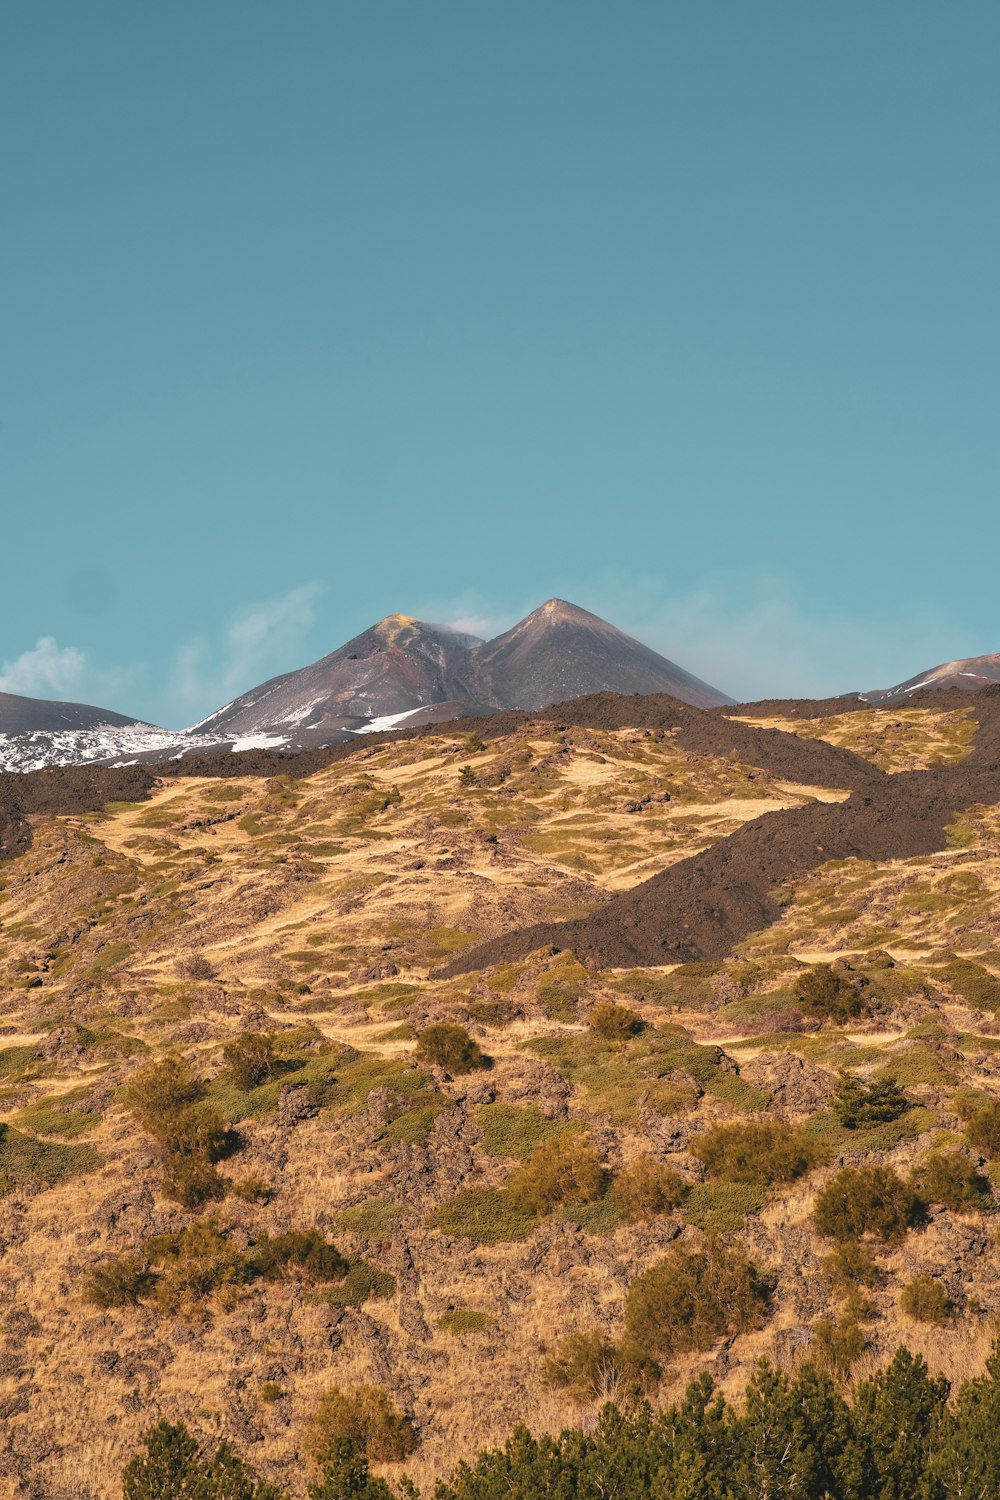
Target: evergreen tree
<point x="967" y="1463"/>
<point x="899" y="1415"/>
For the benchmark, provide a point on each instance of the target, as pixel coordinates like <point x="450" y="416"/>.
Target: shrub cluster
<point x="926" y="1300"/>
<point x="691" y="1297"/>
<point x="761" y="1152"/>
<point x="983" y="1129"/>
<point x="557" y="1172"/>
<point x="167" y="1099"/>
<point x="449" y="1046"/>
<point x="250" y="1059"/>
<point x="858" y="1106"/>
<point x="866" y="1200"/>
<point x="366" y="1418"/>
<point x="649" y="1187"/>
<point x="199" y="1260"/>
<point x="824" y="993"/>
<point x="588" y="1366"/>
<point x="615" y="1023"/>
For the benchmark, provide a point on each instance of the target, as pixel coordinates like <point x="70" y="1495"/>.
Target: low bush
<point x="193" y="1263"/>
<point x="304" y="1249"/>
<point x="975" y="985"/>
<point x="983" y="1129"/>
<point x="866" y="1200"/>
<point x="590" y="1367"/>
<point x="161" y="1088"/>
<point x="464" y="1320"/>
<point x="449" y="1046"/>
<point x="691" y="1297"/>
<point x="514" y="1130"/>
<point x="364" y="1415"/>
<point x="836" y="1346"/>
<point x="120" y="1281"/>
<point x="615" y="1023"/>
<point x="858" y="1107"/>
<point x="824" y="993"/>
<point x="557" y="1172"/>
<point x="649" y="1187"/>
<point x="27" y="1162"/>
<point x="951" y="1179"/>
<point x="249" y="1059"/>
<point x="926" y="1301"/>
<point x="761" y="1152"/>
<point x="720" y="1207"/>
<point x="488" y="1216"/>
<point x="852" y="1264"/>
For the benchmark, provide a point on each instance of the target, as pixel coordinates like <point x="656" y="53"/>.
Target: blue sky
<point x="309" y="313"/>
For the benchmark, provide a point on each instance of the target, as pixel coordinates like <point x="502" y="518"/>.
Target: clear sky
<point x="686" y="311"/>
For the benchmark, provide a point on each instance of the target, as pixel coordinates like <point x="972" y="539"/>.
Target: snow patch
<point x="384" y="722"/>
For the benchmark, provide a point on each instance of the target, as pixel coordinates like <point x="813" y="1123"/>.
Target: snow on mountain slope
<point x="967" y="673"/>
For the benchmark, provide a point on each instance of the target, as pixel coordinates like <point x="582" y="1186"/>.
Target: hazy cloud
<point x="47" y="670"/>
<point x="259" y="640"/>
<point x="772" y="647"/>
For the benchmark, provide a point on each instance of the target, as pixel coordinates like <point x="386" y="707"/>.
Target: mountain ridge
<point x="398" y="668"/>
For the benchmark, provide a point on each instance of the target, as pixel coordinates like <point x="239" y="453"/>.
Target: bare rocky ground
<point x="336" y="907"/>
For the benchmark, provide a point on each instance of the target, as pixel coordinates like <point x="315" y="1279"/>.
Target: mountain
<point x="401" y="666"/>
<point x="395" y="667"/>
<point x="561" y="651"/>
<point x="969" y="673"/>
<point x="400" y="670"/>
<point x="30" y="715"/>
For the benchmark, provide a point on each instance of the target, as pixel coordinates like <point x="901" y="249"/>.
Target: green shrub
<point x="858" y="1106"/>
<point x="193" y="1263"/>
<point x="464" y="1320"/>
<point x="249" y="1059"/>
<point x="761" y="1152"/>
<point x="514" y="1130"/>
<point x="23" y="1160"/>
<point x="615" y="1023"/>
<point x="161" y="1088"/>
<point x="865" y="1200"/>
<point x="305" y="1249"/>
<point x="951" y="1179"/>
<point x="691" y="1297"/>
<point x="721" y="1207"/>
<point x="364" y="1415"/>
<point x="824" y="993"/>
<point x="449" y="1046"/>
<point x="926" y="1300"/>
<point x="648" y="1187"/>
<point x="191" y="1181"/>
<point x="852" y="1264"/>
<point x="486" y="1215"/>
<point x="589" y="1367"/>
<point x="557" y="1172"/>
<point x="983" y="1130"/>
<point x="362" y="1283"/>
<point x="837" y="1345"/>
<point x="974" y="984"/>
<point x="372" y="1219"/>
<point x="119" y="1281"/>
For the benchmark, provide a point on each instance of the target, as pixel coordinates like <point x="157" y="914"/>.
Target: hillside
<point x="670" y="936"/>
